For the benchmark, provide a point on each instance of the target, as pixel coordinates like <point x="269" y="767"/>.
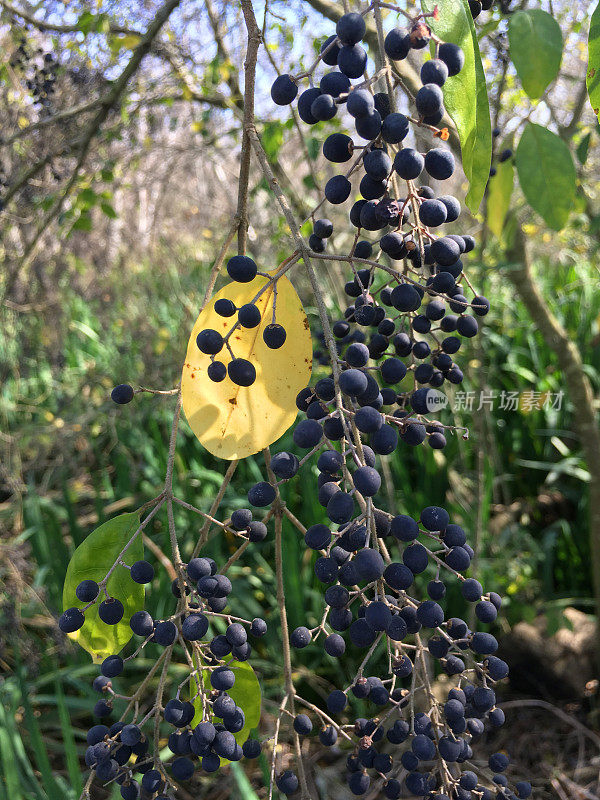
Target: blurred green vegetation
<point x="82" y="460"/>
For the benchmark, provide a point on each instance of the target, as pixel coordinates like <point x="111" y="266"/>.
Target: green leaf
<point x="555" y="620"/>
<point x="86" y="21"/>
<point x="499" y="194"/>
<point x="96" y="23"/>
<point x="93" y="559"/>
<point x="583" y="148"/>
<point x="593" y="70"/>
<point x="314" y="147"/>
<point x="465" y="95"/>
<point x="536" y="47"/>
<point x="82" y="223"/>
<point x="108" y="210"/>
<point x="488" y="27"/>
<point x="245" y="692"/>
<point x="87" y="196"/>
<point x="546" y="174"/>
<point x="272" y="138"/>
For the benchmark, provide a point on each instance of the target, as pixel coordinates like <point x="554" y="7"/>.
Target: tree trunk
<point x="585" y="421"/>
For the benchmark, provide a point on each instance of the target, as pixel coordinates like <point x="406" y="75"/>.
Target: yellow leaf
<point x="225" y="70"/>
<point x="499" y="196"/>
<point x="235" y="421"/>
<point x="129" y="41"/>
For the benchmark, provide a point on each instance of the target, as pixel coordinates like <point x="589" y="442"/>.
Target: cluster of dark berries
<point x="203" y="727"/>
<point x="239" y="370"/>
<point x="39" y="69"/>
<point x="411" y="306"/>
<point x="20" y="57"/>
<point x="322" y="230"/>
<point x="368" y="578"/>
<point x="408" y="329"/>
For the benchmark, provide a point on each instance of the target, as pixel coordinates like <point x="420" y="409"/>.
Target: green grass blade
<point x="10" y="776"/>
<point x="243" y="784"/>
<point x="37" y="743"/>
<point x="68" y="740"/>
<point x="16" y="755"/>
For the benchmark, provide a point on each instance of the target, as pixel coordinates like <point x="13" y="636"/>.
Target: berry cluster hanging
<point x="411" y="307"/>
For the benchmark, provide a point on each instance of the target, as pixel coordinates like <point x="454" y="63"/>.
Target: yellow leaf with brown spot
<point x="235" y="421"/>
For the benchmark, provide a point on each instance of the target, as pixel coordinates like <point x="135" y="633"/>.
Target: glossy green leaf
<point x="465" y="95"/>
<point x="536" y="47"/>
<point x="593" y="70"/>
<point x="93" y="559"/>
<point x="245" y="692"/>
<point x="546" y="174"/>
<point x="499" y="194"/>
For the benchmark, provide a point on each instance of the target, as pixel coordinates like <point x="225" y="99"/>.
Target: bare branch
<point x="50" y="27"/>
<point x="254" y="40"/>
<point x="109" y="102"/>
